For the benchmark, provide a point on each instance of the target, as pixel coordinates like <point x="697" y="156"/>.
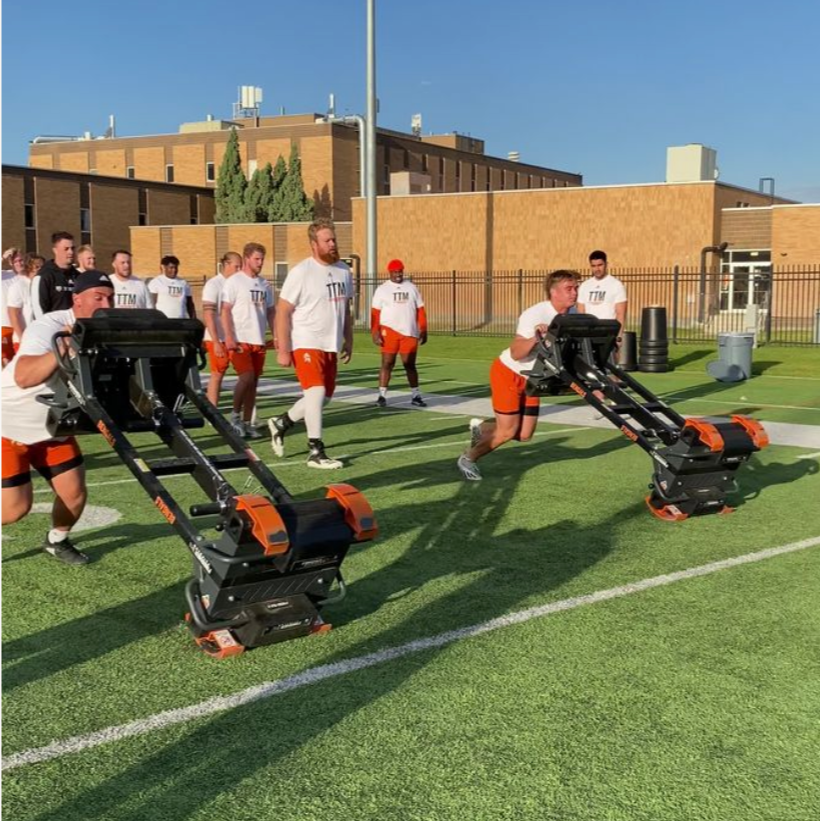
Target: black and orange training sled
<point x="694" y="461"/>
<point x="272" y="563"/>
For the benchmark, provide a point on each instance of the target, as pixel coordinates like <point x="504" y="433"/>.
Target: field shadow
<point x="500" y="569"/>
<point x="757" y="476"/>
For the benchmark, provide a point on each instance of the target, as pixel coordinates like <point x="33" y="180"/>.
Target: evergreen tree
<point x="231" y="184"/>
<point x="295" y="205"/>
<point x="278" y="177"/>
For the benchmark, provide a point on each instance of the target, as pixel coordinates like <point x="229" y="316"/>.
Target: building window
<point x="28" y="210"/>
<point x="424" y="163"/>
<point x="169" y="173"/>
<point x="487" y="179"/>
<point x="85" y="221"/>
<point x="129" y="172"/>
<point x="441" y="173"/>
<point x="386" y="178"/>
<point x="142" y="219"/>
<point x="502" y="180"/>
<point x="458" y="175"/>
<point x="405" y="158"/>
<point x="210" y="172"/>
<point x="473" y="176"/>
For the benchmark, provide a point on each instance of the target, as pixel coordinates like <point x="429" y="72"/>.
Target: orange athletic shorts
<point x="8" y="344"/>
<point x="316" y="369"/>
<point x="217" y="364"/>
<point x="507" y="390"/>
<point x="249" y="358"/>
<point x="393" y="342"/>
<point x="49" y="459"/>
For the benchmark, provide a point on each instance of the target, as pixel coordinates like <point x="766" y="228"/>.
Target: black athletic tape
<point x="48" y="473"/>
<point x="18" y="481"/>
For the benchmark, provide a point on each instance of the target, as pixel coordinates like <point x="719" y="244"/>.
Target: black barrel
<point x="653" y="346"/>
<point x="654" y="324"/>
<point x="628" y="351"/>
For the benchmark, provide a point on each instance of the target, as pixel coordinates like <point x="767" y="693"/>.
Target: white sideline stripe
<point x="738" y="402"/>
<point x="809" y="455"/>
<point x="219" y="704"/>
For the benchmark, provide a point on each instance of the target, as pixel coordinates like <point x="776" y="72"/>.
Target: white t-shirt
<point x="24" y="418"/>
<point x="320" y="295"/>
<point x="542" y="313"/>
<point x="600" y="296"/>
<point x="398" y="303"/>
<point x="19" y="296"/>
<point x="171" y="295"/>
<point x="212" y="292"/>
<point x="129" y="292"/>
<point x="8" y="278"/>
<point x="250" y="299"/>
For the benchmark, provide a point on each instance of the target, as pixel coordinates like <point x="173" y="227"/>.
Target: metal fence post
<point x="675" y="303"/>
<point x="768" y="322"/>
<point x="453" y="298"/>
<point x="520" y="293"/>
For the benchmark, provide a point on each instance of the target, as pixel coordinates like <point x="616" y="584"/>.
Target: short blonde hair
<point x="318" y="225"/>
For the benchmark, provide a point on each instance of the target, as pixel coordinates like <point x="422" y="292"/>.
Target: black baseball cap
<point x="92" y="279"/>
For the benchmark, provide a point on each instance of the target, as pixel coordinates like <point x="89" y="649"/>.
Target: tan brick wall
<point x="747" y="227"/>
<point x="57" y="209"/>
<point x="638" y="226"/>
<point x="189" y="164"/>
<point x="73" y="161"/>
<point x="270" y="151"/>
<point x="145" y="248"/>
<point x="795" y="235"/>
<point x="41" y="161"/>
<point x="168" y="208"/>
<point x="14" y="223"/>
<point x="149" y="163"/>
<point x="317" y="160"/>
<point x="195" y="249"/>
<point x="111" y="162"/>
<point x="113" y="210"/>
<point x="196" y="245"/>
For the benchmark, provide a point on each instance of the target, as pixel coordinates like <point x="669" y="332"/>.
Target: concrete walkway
<point x="780" y="433"/>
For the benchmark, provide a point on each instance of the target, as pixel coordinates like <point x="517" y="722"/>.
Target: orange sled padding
<point x="755" y="430"/>
<point x="219" y="644"/>
<point x="707" y="433"/>
<point x="268" y="527"/>
<point x="358" y="512"/>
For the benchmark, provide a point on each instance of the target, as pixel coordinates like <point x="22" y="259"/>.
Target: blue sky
<point x="594" y="87"/>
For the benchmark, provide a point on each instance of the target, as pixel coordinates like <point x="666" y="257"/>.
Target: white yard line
<point x="219" y="704"/>
<point x="809" y="455"/>
<point x="672" y="397"/>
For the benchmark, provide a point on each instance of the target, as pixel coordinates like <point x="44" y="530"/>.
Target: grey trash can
<point x="735" y="362"/>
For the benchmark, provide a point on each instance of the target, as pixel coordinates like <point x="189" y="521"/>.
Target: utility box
<point x="691" y="163"/>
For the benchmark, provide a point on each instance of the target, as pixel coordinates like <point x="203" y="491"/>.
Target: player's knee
<point x="14" y="511"/>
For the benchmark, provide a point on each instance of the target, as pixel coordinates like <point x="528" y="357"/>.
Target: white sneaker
<point x="317" y="458"/>
<point x="475" y="431"/>
<point x="277" y="438"/>
<point x="251" y="431"/>
<point x="469" y="469"/>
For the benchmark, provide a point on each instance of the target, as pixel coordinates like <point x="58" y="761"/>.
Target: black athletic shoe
<point x="381" y="402"/>
<point x="65" y="552"/>
<point x="317" y="458"/>
<point x="418" y="402"/>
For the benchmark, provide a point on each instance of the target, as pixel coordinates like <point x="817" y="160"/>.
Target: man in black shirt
<point x="52" y="288"/>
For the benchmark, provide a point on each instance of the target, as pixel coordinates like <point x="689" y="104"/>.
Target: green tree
<point x="278" y="177"/>
<point x="259" y="195"/>
<point x="231" y="184"/>
<point x="291" y="197"/>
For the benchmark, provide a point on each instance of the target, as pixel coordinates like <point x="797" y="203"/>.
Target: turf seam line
<point x="323" y="672"/>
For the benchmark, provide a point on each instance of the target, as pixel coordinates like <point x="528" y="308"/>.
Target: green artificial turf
<point x="696" y="700"/>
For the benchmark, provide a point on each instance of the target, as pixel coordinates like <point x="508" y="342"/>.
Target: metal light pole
<point x="370" y="130"/>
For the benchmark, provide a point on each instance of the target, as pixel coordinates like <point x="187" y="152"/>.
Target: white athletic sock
<point x="314" y="400"/>
<point x="56" y="536"/>
<point x="383" y="392"/>
<point x="297" y="412"/>
<point x="415" y="392"/>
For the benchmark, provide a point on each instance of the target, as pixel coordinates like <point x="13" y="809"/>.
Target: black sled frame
<point x="694" y="461"/>
<point x="275" y="561"/>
